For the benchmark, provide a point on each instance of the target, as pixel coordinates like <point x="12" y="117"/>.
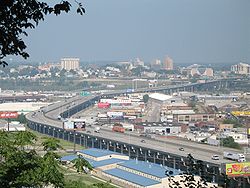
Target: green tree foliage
<point x="23" y="167"/>
<point x="75" y="184"/>
<point x="229" y="142"/>
<point x="18" y="16"/>
<point x="51" y="144"/>
<point x="80" y="164"/>
<point x="188" y="179"/>
<point x="22" y="119"/>
<point x="138" y="71"/>
<point x="145" y="98"/>
<point x="235" y="122"/>
<point x="103" y="185"/>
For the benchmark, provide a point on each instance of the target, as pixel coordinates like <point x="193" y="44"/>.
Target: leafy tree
<point x="229" y="142"/>
<point x="145" y="98"/>
<point x="62" y="73"/>
<point x="235" y="122"/>
<point x="18" y="16"/>
<point x="80" y="164"/>
<point x="25" y="168"/>
<point x="22" y="119"/>
<point x="196" y="175"/>
<point x="137" y="71"/>
<point x="51" y="144"/>
<point x="24" y="138"/>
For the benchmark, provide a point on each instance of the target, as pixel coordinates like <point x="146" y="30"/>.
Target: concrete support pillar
<point x="100" y="144"/>
<point x="92" y="143"/>
<point x="108" y="146"/>
<point x="121" y="149"/>
<point x="68" y="136"/>
<point x="84" y="141"/>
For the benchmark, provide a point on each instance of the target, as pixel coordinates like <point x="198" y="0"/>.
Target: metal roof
<point x="149" y="168"/>
<point x="131" y="177"/>
<point x="97" y="152"/>
<point x="105" y="162"/>
<point x="94" y="163"/>
<point x="68" y="157"/>
<point x="160" y="96"/>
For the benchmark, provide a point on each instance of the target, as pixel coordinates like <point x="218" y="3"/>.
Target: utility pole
<point x="8" y="124"/>
<point x="74" y="141"/>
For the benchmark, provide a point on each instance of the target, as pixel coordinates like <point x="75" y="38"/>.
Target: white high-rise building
<point x="241" y="68"/>
<point x="70" y="63"/>
<point x="168" y="64"/>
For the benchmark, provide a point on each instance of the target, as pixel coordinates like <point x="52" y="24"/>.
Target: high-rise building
<point x="208" y="72"/>
<point x="70" y="63"/>
<point x="138" y="62"/>
<point x="168" y="64"/>
<point x="241" y="68"/>
<point x="156" y="64"/>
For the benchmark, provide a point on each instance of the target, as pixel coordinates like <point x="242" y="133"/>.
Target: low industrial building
<point x="13" y="126"/>
<point x="125" y="172"/>
<point x="162" y="128"/>
<point x="193" y="117"/>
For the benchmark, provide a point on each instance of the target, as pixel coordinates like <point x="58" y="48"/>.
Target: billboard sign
<point x="85" y="94"/>
<point x="78" y="125"/>
<point x="6" y="115"/>
<point x="238" y="169"/>
<point x="68" y="125"/>
<point x="74" y="125"/>
<point x="241" y="113"/>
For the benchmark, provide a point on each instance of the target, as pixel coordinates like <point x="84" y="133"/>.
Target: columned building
<point x="70" y="63"/>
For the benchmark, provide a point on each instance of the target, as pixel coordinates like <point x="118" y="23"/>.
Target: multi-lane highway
<point x="48" y="116"/>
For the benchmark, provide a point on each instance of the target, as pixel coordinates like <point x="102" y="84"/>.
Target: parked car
<point x="143" y="141"/>
<point x="88" y="131"/>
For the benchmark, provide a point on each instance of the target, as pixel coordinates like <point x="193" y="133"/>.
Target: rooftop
<point x="97" y="152"/>
<point x="160" y="96"/>
<point x="149" y="168"/>
<point x="93" y="163"/>
<point x="68" y="157"/>
<point x="131" y="177"/>
<point x="105" y="162"/>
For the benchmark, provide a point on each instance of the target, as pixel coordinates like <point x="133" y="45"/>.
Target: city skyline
<point x="187" y="31"/>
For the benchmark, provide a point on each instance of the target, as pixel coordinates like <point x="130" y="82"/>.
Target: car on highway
<point x="181" y="149"/>
<point x="215" y="157"/>
<point x="143" y="141"/>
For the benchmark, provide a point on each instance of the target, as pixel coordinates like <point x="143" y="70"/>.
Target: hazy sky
<point x="205" y="31"/>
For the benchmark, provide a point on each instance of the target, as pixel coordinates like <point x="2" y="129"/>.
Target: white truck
<point x="234" y="156"/>
<point x="97" y="129"/>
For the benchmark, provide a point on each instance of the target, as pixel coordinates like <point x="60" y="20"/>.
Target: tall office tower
<point x="209" y="72"/>
<point x="241" y="68"/>
<point x="168" y="64"/>
<point x="156" y="64"/>
<point x="70" y="63"/>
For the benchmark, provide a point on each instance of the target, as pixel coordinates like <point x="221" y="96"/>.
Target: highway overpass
<point x="162" y="152"/>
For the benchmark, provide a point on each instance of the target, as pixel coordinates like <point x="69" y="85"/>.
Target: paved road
<point x="202" y="152"/>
